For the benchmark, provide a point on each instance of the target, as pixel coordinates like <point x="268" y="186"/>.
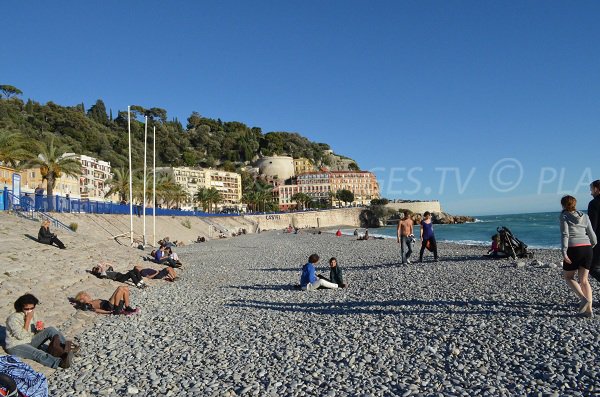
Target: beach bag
<point x="29" y="382"/>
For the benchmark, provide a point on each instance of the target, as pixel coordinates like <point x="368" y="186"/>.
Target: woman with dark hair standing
<point x="428" y="237"/>
<point x="577" y="241"/>
<point x="25" y="334"/>
<point x="594" y="215"/>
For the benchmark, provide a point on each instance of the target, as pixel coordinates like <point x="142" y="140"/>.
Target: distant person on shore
<point x="356" y="232"/>
<point x="335" y="274"/>
<point x="167" y="274"/>
<point x="428" y="237"/>
<point x="339" y="233"/>
<point x="405" y="237"/>
<point x="594" y="215"/>
<point x="308" y="278"/>
<point x="105" y="270"/>
<point x="26" y="334"/>
<point x="577" y="240"/>
<point x="118" y="303"/>
<point x="45" y="236"/>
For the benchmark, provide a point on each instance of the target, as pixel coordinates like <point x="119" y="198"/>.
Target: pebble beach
<point x="233" y="325"/>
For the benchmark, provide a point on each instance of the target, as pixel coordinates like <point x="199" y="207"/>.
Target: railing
<point x="25" y="206"/>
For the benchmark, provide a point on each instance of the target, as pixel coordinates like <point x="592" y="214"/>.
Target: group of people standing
<point x="406" y="238"/>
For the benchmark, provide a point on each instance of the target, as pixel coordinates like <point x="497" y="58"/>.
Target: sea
<point x="537" y="230"/>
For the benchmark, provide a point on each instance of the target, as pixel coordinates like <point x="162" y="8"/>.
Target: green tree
<point x="11" y="148"/>
<point x="119" y="184"/>
<point x="98" y="112"/>
<point x="9" y="91"/>
<point x="53" y="162"/>
<point x="214" y="198"/>
<point x="202" y="197"/>
<point x="302" y="199"/>
<point x="345" y="195"/>
<point x="353" y="167"/>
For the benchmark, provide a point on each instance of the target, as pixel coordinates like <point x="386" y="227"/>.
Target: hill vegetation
<point x="94" y="131"/>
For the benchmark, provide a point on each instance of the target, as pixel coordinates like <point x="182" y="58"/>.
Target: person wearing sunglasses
<point x="26" y="334"/>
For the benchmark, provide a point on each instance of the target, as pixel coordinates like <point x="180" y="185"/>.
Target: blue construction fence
<point x="56" y="203"/>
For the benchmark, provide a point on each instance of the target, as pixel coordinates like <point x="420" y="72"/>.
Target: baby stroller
<point x="511" y="245"/>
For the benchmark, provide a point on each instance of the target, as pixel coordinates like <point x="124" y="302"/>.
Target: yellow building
<point x="6" y="175"/>
<point x="303" y="165"/>
<point x="229" y="184"/>
<point x="31" y="178"/>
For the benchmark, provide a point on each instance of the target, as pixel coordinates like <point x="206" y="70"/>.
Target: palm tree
<point x="11" y="148"/>
<point x="250" y="198"/>
<point x="119" y="184"/>
<point x="302" y="198"/>
<point x="53" y="163"/>
<point x="214" y="197"/>
<point x="202" y="197"/>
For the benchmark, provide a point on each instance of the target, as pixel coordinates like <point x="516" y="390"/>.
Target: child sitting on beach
<point x="117" y="304"/>
<point x="494" y="251"/>
<point x="308" y="278"/>
<point x="335" y="274"/>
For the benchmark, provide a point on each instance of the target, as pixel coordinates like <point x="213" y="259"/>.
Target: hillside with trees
<point x="98" y="132"/>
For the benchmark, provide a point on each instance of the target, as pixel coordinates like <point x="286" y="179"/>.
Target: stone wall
<point x="418" y="207"/>
<point x="320" y="219"/>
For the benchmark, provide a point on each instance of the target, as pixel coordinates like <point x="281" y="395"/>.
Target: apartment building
<point x="363" y="184"/>
<point x="320" y="186"/>
<point x="229" y="184"/>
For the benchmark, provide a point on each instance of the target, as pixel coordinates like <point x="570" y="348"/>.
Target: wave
<point x="466" y="242"/>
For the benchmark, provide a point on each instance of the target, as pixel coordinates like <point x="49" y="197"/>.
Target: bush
<point x="187" y="223"/>
<point x="73" y="226"/>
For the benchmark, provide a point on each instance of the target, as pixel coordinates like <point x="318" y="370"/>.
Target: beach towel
<point x="29" y="382"/>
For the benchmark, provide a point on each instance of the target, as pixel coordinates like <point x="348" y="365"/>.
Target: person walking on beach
<point x="594" y="215"/>
<point x="308" y="278"/>
<point x="45" y="236"/>
<point x="577" y="240"/>
<point x="403" y="235"/>
<point x="25" y="335"/>
<point x="427" y="237"/>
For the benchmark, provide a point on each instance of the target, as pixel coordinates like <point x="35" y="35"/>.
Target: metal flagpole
<point x="144" y="205"/>
<point x="154" y="188"/>
<point x="130" y="178"/>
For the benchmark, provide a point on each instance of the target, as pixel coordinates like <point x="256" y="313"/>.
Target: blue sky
<point x="489" y="106"/>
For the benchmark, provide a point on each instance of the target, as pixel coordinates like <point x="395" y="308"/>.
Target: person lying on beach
<point x="335" y="274"/>
<point x="26" y="334"/>
<point x="308" y="278"/>
<point x="117" y="304"/>
<point x="167" y="274"/>
<point x="105" y="270"/>
<point x="45" y="236"/>
<point x="160" y="256"/>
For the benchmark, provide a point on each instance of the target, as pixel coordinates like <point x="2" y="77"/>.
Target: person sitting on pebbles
<point x="308" y="278"/>
<point x="335" y="274"/>
<point x="117" y="304"/>
<point x="25" y="335"/>
<point x="161" y="256"/>
<point x="167" y="274"/>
